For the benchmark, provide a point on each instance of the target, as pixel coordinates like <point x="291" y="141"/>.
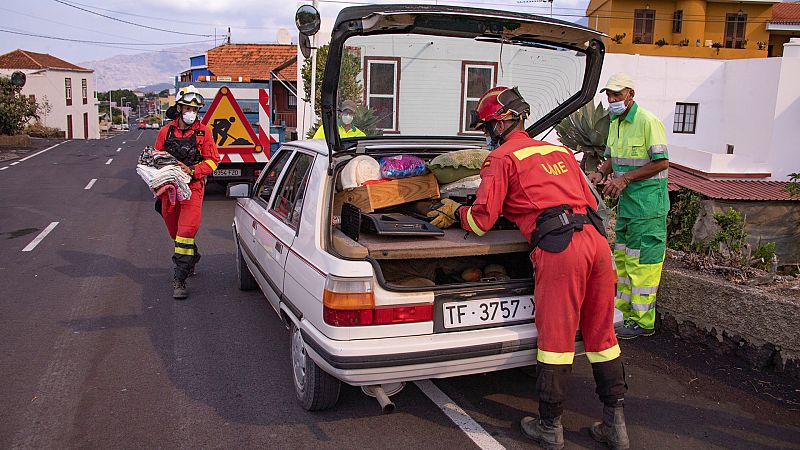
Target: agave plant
<point x="586" y="131"/>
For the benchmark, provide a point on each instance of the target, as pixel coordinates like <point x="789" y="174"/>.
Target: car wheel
<point x="244" y="278"/>
<point x="315" y="388"/>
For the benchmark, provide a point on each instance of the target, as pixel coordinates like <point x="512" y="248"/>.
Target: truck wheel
<point x="315" y="388"/>
<point x="244" y="278"/>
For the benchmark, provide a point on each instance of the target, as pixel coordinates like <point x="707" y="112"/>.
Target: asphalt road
<point x="96" y="353"/>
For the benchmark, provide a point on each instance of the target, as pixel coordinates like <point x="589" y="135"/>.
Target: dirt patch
<point x="714" y="374"/>
<point x="36" y="144"/>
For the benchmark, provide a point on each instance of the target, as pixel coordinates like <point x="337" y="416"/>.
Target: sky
<point x="159" y="24"/>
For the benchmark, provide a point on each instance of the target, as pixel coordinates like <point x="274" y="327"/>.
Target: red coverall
<point x="183" y="219"/>
<point x="520" y="179"/>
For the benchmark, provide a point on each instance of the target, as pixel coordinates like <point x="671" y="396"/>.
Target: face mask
<point x="617" y="108"/>
<point x="347" y="119"/>
<point x="492" y="139"/>
<point x="189" y="117"/>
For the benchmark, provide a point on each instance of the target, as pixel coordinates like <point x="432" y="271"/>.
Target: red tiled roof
<point x="254" y="61"/>
<point x="786" y="13"/>
<point x="728" y="189"/>
<point x="24" y="59"/>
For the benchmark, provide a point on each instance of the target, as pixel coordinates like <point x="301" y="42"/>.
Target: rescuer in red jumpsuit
<point x="540" y="187"/>
<point x="191" y="144"/>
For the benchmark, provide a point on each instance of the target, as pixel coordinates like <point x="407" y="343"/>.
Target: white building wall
<point x="753" y="104"/>
<point x="49" y="84"/>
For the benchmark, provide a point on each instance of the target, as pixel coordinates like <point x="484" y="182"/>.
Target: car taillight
<point x="350" y="302"/>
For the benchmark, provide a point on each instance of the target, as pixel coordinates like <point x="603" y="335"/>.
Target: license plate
<point x="487" y="311"/>
<point x="228" y="173"/>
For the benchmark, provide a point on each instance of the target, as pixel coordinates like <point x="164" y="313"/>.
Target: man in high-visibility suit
<point x="637" y="156"/>
<point x="346" y="129"/>
<point x="540" y="187"/>
<point x="190" y="142"/>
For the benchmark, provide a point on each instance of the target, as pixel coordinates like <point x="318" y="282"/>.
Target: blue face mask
<point x="617" y="108"/>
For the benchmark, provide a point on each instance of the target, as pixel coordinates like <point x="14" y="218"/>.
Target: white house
<point x="725" y="118"/>
<point x="67" y="88"/>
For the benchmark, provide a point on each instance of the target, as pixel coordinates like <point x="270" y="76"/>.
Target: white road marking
<point x="109" y="161"/>
<point x="40" y="237"/>
<point x="123" y="142"/>
<point x="120" y="148"/>
<point x="40" y="152"/>
<point x="4" y="168"/>
<point x="14" y="163"/>
<point x="467" y="424"/>
<point x="91" y="183"/>
<point x="140" y="135"/>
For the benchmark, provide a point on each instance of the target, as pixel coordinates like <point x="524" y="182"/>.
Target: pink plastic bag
<point x="402" y="166"/>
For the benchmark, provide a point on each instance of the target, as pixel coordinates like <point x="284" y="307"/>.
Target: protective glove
<point x="446" y="215"/>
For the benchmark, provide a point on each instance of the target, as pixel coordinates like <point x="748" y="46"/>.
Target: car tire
<point x="315" y="389"/>
<point x="245" y="279"/>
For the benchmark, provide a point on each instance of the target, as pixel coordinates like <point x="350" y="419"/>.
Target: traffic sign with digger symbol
<point x="229" y="127"/>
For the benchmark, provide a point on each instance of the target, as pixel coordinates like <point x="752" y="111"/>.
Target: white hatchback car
<point x="417" y="72"/>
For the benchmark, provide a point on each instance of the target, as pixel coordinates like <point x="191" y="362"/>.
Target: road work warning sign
<point x="229" y="127"/>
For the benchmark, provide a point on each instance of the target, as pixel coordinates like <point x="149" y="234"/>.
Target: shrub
<point x="762" y="256"/>
<point x="41" y="131"/>
<point x="680" y="222"/>
<point x="16" y="110"/>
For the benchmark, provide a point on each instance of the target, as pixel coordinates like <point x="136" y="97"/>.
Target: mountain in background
<point x="143" y="69"/>
<point x="156" y="88"/>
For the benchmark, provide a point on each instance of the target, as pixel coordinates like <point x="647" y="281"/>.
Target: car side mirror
<point x="239" y="190"/>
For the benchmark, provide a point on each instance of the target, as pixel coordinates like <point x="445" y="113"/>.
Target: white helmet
<point x="189" y="96"/>
<point x="360" y="169"/>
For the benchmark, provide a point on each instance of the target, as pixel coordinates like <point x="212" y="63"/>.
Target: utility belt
<point x="555" y="227"/>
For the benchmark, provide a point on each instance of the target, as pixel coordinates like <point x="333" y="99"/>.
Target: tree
<point x="164" y="93"/>
<point x="349" y="86"/>
<point x="118" y="94"/>
<point x="16" y="110"/>
<point x="794" y="184"/>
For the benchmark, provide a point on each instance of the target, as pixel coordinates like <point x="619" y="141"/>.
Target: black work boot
<point x="611" y="431"/>
<point x="549" y="434"/>
<point x="179" y="291"/>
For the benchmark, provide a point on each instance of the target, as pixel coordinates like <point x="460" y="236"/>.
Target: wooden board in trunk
<point x="452" y="244"/>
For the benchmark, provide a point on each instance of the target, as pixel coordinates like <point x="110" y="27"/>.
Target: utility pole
<point x="313" y="94"/>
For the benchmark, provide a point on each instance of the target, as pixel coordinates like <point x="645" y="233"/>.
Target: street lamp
<point x="122" y="103"/>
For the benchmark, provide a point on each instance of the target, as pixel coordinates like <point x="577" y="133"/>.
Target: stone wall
<point x="762" y="329"/>
<point x="19" y="140"/>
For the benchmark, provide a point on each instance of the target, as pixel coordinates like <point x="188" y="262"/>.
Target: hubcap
<point x="298" y="360"/>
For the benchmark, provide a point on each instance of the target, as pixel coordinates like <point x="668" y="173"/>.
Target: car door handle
<point x="279" y="247"/>
<point x="255" y="223"/>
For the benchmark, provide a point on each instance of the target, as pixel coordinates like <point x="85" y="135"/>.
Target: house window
<point x="382" y="80"/>
<point x="735" y="25"/>
<point x="84" y="91"/>
<point x="291" y="101"/>
<point x="68" y="90"/>
<point x="476" y="78"/>
<point x="644" y="21"/>
<point x="677" y="21"/>
<point x="685" y="118"/>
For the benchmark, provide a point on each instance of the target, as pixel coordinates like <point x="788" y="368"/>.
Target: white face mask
<point x="189" y="117"/>
<point x="347" y="119"/>
<point x="617" y="108"/>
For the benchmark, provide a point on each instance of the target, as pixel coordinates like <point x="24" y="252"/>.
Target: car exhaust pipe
<point x="381" y="393"/>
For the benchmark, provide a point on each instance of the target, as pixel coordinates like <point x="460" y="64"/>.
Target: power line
<point x="60" y="23"/>
<point x="82" y="41"/>
<point x="164" y="19"/>
<point x="128" y="22"/>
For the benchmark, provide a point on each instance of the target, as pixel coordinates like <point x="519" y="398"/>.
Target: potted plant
<point x="586" y="131"/>
<point x="618" y="38"/>
<point x="661" y="42"/>
<point x="684" y="42"/>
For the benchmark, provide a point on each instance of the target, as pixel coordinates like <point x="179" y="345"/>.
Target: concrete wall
<point x="49" y="85"/>
<point x="753" y="104"/>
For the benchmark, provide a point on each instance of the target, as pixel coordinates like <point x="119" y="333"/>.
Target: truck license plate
<point x="487" y="311"/>
<point x="228" y="173"/>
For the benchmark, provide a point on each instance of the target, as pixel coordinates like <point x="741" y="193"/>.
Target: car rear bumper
<point x="389" y="360"/>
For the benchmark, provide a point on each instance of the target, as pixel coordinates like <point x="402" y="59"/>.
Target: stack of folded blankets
<point x="163" y="175"/>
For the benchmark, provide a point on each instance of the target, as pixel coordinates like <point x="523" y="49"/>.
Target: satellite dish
<point x="18" y="79"/>
<point x="284" y="38"/>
